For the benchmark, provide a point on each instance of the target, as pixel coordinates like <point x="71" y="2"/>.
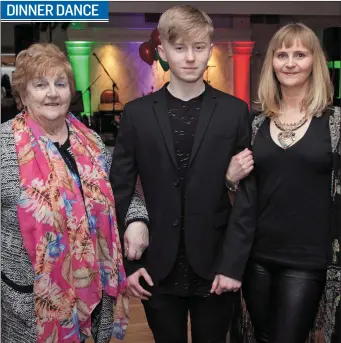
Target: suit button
<point x="176" y="222"/>
<point x="176" y="183"/>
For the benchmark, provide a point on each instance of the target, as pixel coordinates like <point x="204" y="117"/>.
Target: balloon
<point x="147" y="53"/>
<point x="164" y="64"/>
<point x="155" y="36"/>
<point x="156" y="56"/>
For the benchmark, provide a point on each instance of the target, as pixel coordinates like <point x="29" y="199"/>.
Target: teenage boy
<point x="180" y="141"/>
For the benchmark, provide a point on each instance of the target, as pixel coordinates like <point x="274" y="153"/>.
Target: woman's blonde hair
<point x="183" y="22"/>
<point x="37" y="61"/>
<point x="320" y="91"/>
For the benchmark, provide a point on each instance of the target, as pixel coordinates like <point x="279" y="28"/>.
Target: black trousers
<point x="282" y="302"/>
<point x="210" y="317"/>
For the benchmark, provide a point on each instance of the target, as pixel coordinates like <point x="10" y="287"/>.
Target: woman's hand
<point x="222" y="284"/>
<point x="136" y="240"/>
<point x="240" y="166"/>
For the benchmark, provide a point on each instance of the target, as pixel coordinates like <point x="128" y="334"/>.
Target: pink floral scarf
<point x="71" y="239"/>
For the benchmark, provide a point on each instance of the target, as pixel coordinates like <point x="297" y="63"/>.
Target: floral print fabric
<point x="73" y="244"/>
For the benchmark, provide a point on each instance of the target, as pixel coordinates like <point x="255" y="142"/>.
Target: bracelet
<point x="231" y="186"/>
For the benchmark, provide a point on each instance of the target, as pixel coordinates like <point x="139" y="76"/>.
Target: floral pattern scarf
<point x="71" y="239"/>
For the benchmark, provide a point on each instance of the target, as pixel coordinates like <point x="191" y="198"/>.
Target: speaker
<point x="76" y="104"/>
<point x="332" y="43"/>
<point x="332" y="48"/>
<point x="24" y="36"/>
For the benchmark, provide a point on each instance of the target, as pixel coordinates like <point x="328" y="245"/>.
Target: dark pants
<point x="282" y="302"/>
<point x="210" y="317"/>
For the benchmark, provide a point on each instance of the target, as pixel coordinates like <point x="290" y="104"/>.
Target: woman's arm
<point x="137" y="209"/>
<point x="242" y="223"/>
<point x="136" y="236"/>
<point x="240" y="166"/>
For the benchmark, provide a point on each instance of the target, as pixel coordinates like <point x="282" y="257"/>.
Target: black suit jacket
<point x="145" y="147"/>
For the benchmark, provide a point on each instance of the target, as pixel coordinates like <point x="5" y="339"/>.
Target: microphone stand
<point x="207" y="68"/>
<point x="89" y="89"/>
<point x="114" y="85"/>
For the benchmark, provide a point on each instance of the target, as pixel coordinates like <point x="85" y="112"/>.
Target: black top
<point x="66" y="153"/>
<point x="294" y="203"/>
<point x="183" y="116"/>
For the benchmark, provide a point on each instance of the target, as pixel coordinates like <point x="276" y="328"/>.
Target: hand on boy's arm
<point x="222" y="284"/>
<point x="136" y="240"/>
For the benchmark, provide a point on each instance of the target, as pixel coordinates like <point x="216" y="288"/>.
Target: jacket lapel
<point x="161" y="113"/>
<point x="208" y="106"/>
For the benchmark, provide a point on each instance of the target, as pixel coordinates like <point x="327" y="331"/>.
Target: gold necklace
<point x="287" y="136"/>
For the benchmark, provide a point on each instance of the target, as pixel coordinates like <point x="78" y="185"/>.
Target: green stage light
<point x="79" y="25"/>
<point x="79" y="55"/>
<point x="336" y="65"/>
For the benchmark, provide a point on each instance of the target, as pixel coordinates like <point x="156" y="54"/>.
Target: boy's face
<point x="188" y="58"/>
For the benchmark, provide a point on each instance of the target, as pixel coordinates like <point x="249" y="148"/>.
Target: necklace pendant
<point x="286" y="138"/>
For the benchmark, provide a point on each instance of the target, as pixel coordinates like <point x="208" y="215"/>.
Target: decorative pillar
<point x="241" y="69"/>
<point x="79" y="55"/>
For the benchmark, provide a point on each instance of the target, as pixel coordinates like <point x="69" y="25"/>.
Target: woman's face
<point x="47" y="97"/>
<point x="293" y="66"/>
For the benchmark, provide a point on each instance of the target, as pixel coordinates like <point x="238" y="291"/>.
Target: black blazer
<point x="145" y="147"/>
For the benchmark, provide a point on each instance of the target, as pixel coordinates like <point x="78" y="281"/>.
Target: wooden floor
<point x="138" y="329"/>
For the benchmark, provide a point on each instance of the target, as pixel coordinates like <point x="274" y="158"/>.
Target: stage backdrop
<point x="135" y="77"/>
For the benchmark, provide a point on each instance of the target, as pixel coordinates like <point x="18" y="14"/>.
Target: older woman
<point x="62" y="277"/>
<point x="286" y="223"/>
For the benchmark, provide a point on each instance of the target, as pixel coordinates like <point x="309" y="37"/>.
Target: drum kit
<point x="109" y="113"/>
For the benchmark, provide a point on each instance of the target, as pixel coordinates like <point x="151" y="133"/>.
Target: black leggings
<point x="282" y="302"/>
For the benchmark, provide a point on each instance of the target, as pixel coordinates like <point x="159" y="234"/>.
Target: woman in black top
<point x="282" y="223"/>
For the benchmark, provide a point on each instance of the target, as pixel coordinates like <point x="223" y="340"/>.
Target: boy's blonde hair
<point x="320" y="92"/>
<point x="184" y="22"/>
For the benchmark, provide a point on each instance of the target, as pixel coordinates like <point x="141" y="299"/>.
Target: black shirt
<point x="66" y="153"/>
<point x="294" y="203"/>
<point x="183" y="116"/>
